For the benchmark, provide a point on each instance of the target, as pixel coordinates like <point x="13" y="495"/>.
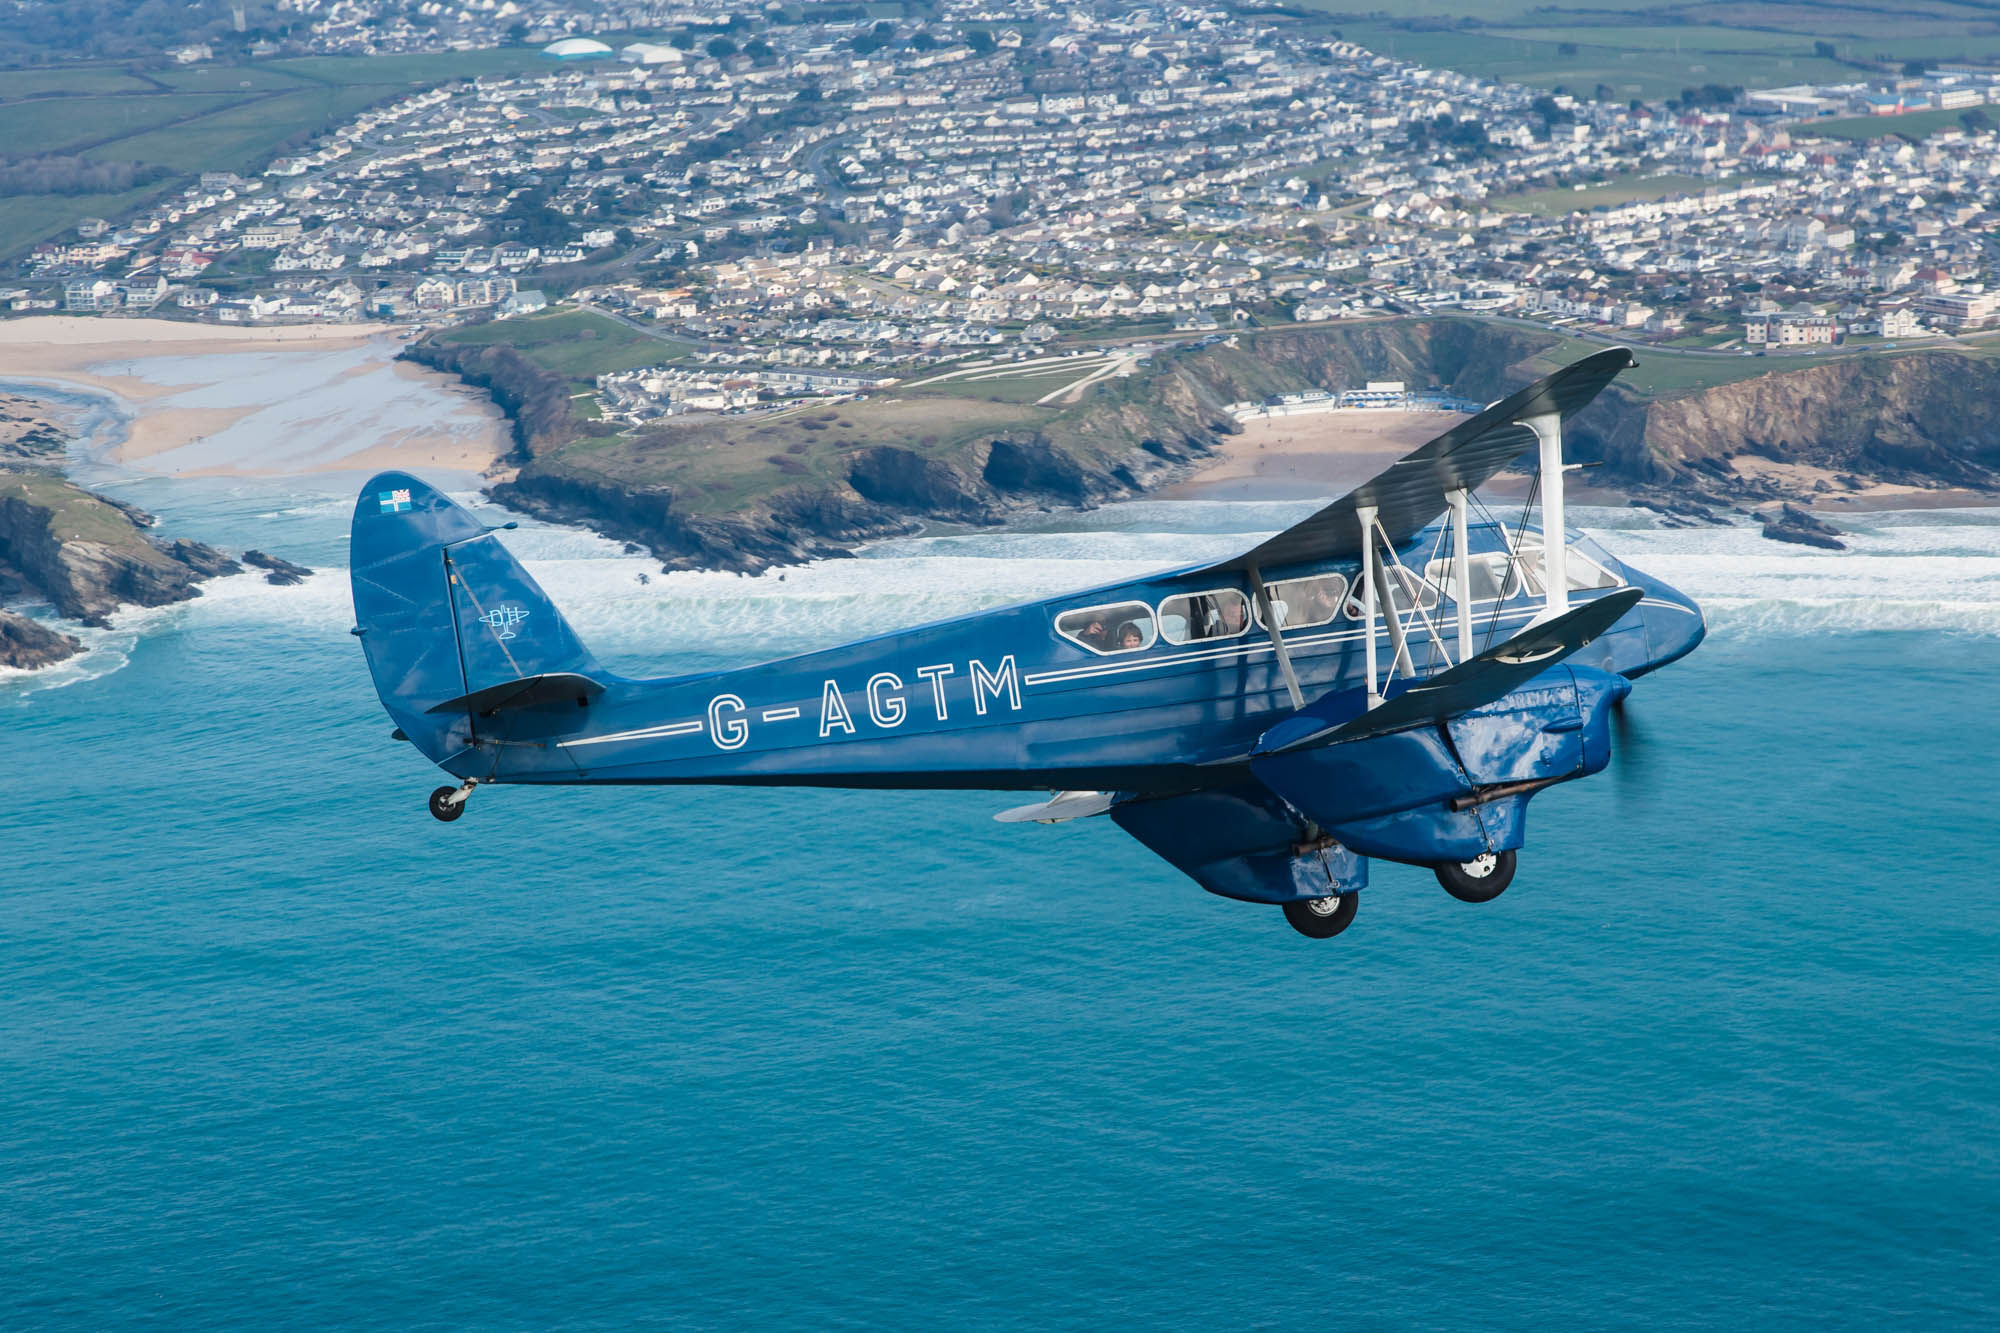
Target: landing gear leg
<point x="1322" y="918"/>
<point x="448" y="803"/>
<point x="1479" y="880"/>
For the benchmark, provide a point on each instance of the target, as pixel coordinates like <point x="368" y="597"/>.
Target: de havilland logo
<point x="502" y="620"/>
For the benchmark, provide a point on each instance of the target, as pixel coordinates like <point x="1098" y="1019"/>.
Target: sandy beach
<point x="204" y="400"/>
<point x="1300" y="457"/>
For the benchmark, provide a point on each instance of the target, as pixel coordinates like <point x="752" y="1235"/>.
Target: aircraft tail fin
<point x="453" y="627"/>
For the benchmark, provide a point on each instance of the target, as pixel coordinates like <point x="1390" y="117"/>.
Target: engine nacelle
<point x="1452" y="791"/>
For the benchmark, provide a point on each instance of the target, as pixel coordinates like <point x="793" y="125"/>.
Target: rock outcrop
<point x="1789" y="523"/>
<point x="283" y="573"/>
<point x="30" y="645"/>
<point x="88" y="557"/>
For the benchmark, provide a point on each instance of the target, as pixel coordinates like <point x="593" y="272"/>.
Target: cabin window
<point x="1584" y="574"/>
<point x="1222" y="614"/>
<point x="1411" y="589"/>
<point x="1124" y="627"/>
<point x="1303" y="603"/>
<point x="1493" y="576"/>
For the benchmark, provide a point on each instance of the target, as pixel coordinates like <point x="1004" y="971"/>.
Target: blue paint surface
<point x="277" y="1049"/>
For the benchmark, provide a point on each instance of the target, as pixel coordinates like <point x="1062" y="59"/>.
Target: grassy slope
<point x="577" y="344"/>
<point x="76" y="514"/>
<point x="719" y="465"/>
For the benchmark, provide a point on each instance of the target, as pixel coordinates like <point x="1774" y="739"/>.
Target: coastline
<point x="1327" y="454"/>
<point x="206" y="400"/>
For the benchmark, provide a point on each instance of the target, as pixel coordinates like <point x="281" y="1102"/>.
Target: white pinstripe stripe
<point x="643" y="734"/>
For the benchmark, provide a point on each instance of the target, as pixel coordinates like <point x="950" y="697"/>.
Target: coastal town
<point x="813" y="207"/>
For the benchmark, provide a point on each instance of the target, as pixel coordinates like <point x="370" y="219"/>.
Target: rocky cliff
<point x="1929" y="419"/>
<point x="750" y="493"/>
<point x="87" y="556"/>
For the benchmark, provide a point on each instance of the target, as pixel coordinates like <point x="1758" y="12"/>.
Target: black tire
<point x="444" y="809"/>
<point x="1322" y="918"/>
<point x="1469" y="883"/>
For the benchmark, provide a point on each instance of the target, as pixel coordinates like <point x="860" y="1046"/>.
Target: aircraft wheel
<point x="444" y="808"/>
<point x="1322" y="918"/>
<point x="1479" y="880"/>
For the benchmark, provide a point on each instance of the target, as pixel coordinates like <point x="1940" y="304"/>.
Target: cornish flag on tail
<point x="393" y="502"/>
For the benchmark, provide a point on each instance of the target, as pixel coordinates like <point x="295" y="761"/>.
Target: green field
<point x="1638" y="71"/>
<point x="1006" y="383"/>
<point x="1657" y="51"/>
<point x="579" y="344"/>
<point x="194" y="119"/>
<point x="1914" y="124"/>
<point x="1622" y="190"/>
<point x="243" y="137"/>
<point x="66" y="124"/>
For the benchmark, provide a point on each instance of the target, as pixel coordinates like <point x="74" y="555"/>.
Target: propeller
<point x="1630" y="754"/>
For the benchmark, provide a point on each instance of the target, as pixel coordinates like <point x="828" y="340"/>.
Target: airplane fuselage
<point x="1041" y="697"/>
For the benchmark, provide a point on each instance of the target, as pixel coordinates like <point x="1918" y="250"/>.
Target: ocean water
<point x="279" y="1050"/>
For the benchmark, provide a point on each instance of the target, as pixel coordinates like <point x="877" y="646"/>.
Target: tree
<point x="1826" y="51"/>
<point x="1566" y="48"/>
<point x="981" y="42"/>
<point x="873" y="40"/>
<point x="1977" y="119"/>
<point x="760" y="52"/>
<point x="923" y="41"/>
<point x="1914" y="69"/>
<point x="720" y="47"/>
<point x="682" y="40"/>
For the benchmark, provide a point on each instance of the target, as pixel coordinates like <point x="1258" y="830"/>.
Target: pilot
<point x="1130" y="637"/>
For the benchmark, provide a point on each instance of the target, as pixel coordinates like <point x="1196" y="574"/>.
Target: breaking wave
<point x="1932" y="571"/>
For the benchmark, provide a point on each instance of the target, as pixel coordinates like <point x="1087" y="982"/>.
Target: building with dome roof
<point x="576" y="48"/>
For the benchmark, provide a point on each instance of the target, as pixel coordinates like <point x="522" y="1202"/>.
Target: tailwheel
<point x="1480" y="880"/>
<point x="1322" y="918"/>
<point x="447" y="803"/>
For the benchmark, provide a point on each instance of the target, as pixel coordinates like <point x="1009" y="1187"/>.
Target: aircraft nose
<point x="1675" y="625"/>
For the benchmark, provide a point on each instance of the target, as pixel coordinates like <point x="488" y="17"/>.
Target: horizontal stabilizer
<point x="527" y="692"/>
<point x="1063" y="805"/>
<point x="1471" y="684"/>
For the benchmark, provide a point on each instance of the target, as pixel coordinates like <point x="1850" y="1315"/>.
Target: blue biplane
<point x="1391" y="677"/>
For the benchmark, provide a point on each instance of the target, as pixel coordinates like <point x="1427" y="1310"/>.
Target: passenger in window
<point x="1130" y="637"/>
<point x="1233" y="617"/>
<point x="1319" y="604"/>
<point x="1094" y="635"/>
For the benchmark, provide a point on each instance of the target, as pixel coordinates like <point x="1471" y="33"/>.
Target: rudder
<point x="449" y="620"/>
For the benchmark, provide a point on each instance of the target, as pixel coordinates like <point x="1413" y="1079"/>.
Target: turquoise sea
<point x="278" y="1050"/>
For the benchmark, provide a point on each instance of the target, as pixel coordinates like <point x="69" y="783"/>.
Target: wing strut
<point x="1548" y="428"/>
<point x="1461" y="572"/>
<point x="1277" y="639"/>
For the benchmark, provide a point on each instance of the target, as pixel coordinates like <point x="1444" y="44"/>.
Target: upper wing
<point x="1412" y="492"/>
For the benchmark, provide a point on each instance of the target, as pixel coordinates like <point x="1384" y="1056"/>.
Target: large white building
<point x="576" y="48"/>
